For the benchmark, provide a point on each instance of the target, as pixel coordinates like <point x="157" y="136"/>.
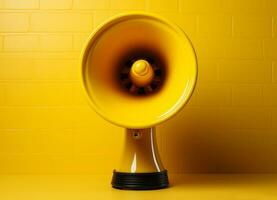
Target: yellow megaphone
<point x="138" y="70"/>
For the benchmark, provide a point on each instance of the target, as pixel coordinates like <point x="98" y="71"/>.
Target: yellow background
<point x="46" y="125"/>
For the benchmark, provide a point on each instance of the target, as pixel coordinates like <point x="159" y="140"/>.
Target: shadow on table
<point x="209" y="180"/>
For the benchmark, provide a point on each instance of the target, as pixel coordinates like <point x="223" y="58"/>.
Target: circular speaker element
<point x="119" y="55"/>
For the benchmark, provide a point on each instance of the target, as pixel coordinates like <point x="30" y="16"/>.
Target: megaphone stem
<point x="140" y="162"/>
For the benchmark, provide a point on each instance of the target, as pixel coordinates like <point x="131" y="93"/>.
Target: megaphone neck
<point x="141" y="167"/>
<point x="141" y="152"/>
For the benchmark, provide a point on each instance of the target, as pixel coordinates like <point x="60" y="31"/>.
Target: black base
<point x="140" y="181"/>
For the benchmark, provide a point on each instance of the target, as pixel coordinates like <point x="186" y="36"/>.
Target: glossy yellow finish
<point x="184" y="186"/>
<point x="105" y="48"/>
<point x="108" y="44"/>
<point x="140" y="152"/>
<point x="141" y="67"/>
<point x="229" y="124"/>
<point x="141" y="73"/>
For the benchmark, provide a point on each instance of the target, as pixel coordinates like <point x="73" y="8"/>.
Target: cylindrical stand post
<point x="141" y="167"/>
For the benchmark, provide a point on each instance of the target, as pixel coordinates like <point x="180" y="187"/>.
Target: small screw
<point x="136" y="135"/>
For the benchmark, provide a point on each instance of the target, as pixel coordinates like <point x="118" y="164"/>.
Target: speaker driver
<point x="156" y="64"/>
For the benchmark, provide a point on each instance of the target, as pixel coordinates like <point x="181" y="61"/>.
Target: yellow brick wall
<point x="230" y="124"/>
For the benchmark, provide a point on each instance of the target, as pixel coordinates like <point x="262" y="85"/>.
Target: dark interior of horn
<point x="125" y="63"/>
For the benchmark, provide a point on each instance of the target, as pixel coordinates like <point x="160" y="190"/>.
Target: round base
<point x="140" y="181"/>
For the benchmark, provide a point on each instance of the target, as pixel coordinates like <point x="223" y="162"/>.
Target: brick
<point x="274" y="25"/>
<point x="202" y="6"/>
<point x="235" y="156"/>
<point x="157" y="5"/>
<point x="2" y="94"/>
<point x="19" y="4"/>
<point x="14" y="22"/>
<point x="270" y="48"/>
<point x="181" y="164"/>
<point x="213" y="95"/>
<point x="56" y="42"/>
<point x="101" y="16"/>
<point x="61" y="22"/>
<point x="252" y="26"/>
<point x="79" y="41"/>
<point x="56" y="142"/>
<point x="16" y="69"/>
<point x="21" y="43"/>
<point x="244" y="118"/>
<point x="214" y="25"/>
<point x="56" y="69"/>
<point x="270" y="95"/>
<point x="209" y="48"/>
<point x="270" y="6"/>
<point x="36" y="117"/>
<point x="187" y="22"/>
<point x="36" y="164"/>
<point x="91" y="4"/>
<point x="84" y="115"/>
<point x="194" y="118"/>
<point x="40" y="55"/>
<point x="55" y="118"/>
<point x="12" y="118"/>
<point x="84" y="164"/>
<point x="38" y="94"/>
<point x="128" y="4"/>
<point x="247" y="95"/>
<point x="245" y="71"/>
<point x="274" y="118"/>
<point x="85" y="143"/>
<point x="244" y="49"/>
<point x="53" y="4"/>
<point x="207" y="71"/>
<point x="79" y="95"/>
<point x="19" y="142"/>
<point x="1" y="43"/>
<point x="274" y="72"/>
<point x="246" y="6"/>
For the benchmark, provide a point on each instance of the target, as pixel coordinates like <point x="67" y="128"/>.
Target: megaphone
<point x="138" y="70"/>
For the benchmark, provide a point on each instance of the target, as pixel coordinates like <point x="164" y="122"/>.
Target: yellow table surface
<point x="183" y="186"/>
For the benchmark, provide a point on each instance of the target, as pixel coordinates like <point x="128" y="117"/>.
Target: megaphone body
<point x="138" y="70"/>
